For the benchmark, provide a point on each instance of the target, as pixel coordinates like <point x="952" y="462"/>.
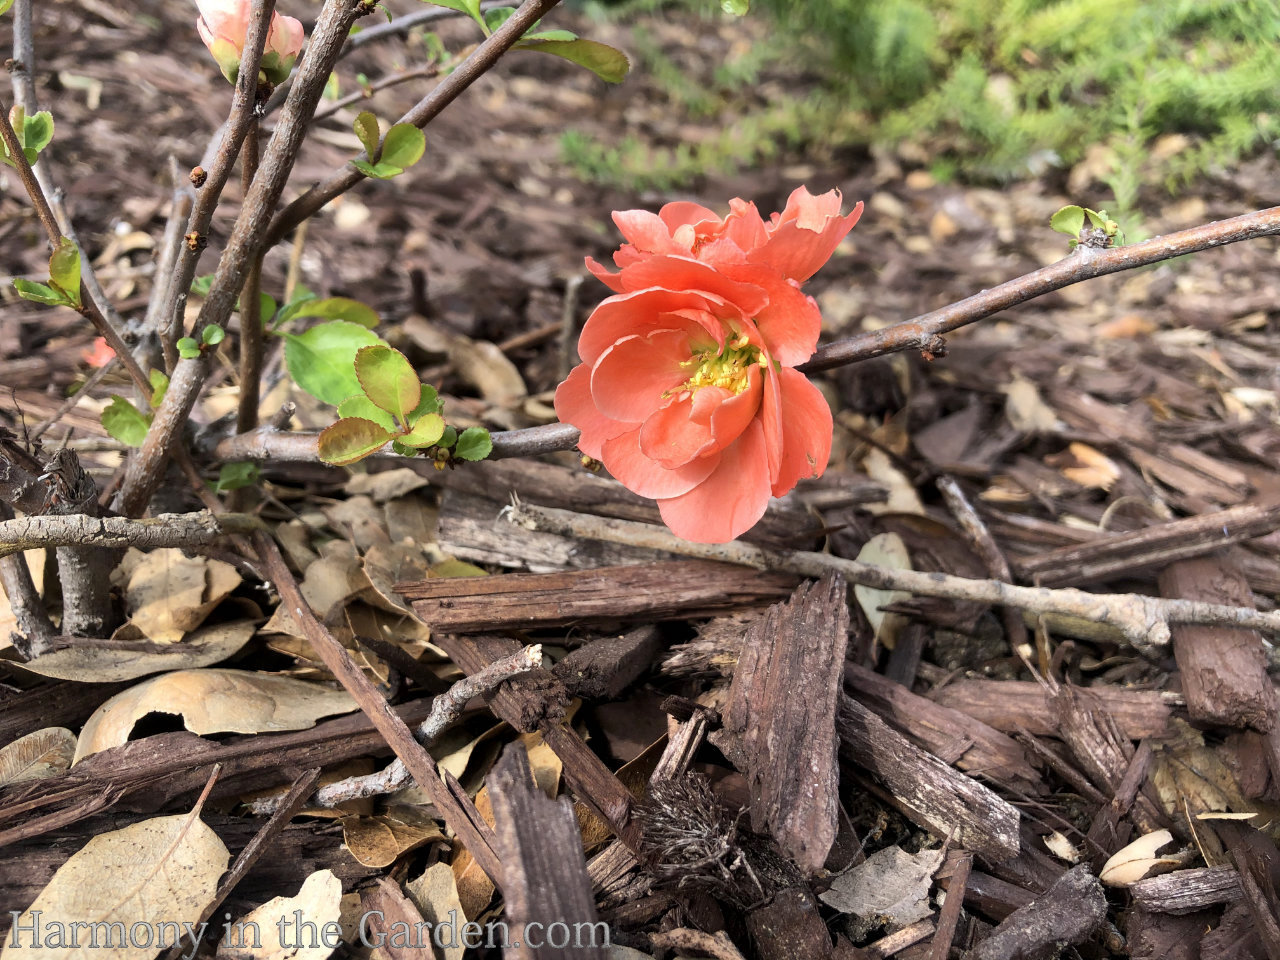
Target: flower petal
<point x="803" y="238"/>
<point x="285" y="36"/>
<point x="630" y="378"/>
<point x="806" y="438"/>
<point x="635" y="314"/>
<point x="790" y="323"/>
<point x="574" y="406"/>
<point x="680" y="431"/>
<point x="646" y="232"/>
<point x="645" y="476"/>
<point x="681" y="273"/>
<point x="730" y="500"/>
<point x="682" y="212"/>
<point x="604" y="275"/>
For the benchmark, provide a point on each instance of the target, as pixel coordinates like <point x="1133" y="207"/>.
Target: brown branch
<point x="925" y="331"/>
<point x="24" y="600"/>
<point x="383" y="83"/>
<point x="251" y="346"/>
<point x="244" y="104"/>
<point x="467" y="824"/>
<point x="466" y="73"/>
<point x="245" y="243"/>
<point x="165" y="530"/>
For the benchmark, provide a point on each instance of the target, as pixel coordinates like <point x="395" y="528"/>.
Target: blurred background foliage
<point x="1152" y="91"/>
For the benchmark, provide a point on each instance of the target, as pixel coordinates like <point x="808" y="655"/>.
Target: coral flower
<point x="222" y="25"/>
<point x="686" y="391"/>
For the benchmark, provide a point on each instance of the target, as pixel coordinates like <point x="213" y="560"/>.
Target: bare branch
<point x="163" y="530"/>
<point x="1144" y="621"/>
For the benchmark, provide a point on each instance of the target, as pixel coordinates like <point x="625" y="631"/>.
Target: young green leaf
<point x="4" y="6"/>
<point x="233" y="476"/>
<point x="470" y="7"/>
<point x="403" y="450"/>
<point x="364" y="408"/>
<point x="403" y="146"/>
<point x="1068" y="220"/>
<point x="125" y="422"/>
<point x="448" y="438"/>
<point x="474" y="443"/>
<point x="429" y="403"/>
<point x="425" y="433"/>
<point x="188" y="348"/>
<point x="41" y="293"/>
<point x="159" y="387"/>
<point x="321" y="360"/>
<point x="200" y="285"/>
<point x="497" y="16"/>
<point x="212" y="335"/>
<point x="388" y="380"/>
<point x="378" y="171"/>
<point x="64" y="270"/>
<point x="367" y="130"/>
<point x="550" y="35"/>
<point x="331" y="308"/>
<point x="351" y="439"/>
<point x="37" y="131"/>
<point x="601" y="59"/>
<point x="737" y="8"/>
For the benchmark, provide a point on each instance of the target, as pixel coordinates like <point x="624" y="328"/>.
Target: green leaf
<point x="37" y="131"/>
<point x="64" y="270"/>
<point x="364" y="408"/>
<point x="367" y="130"/>
<point x="474" y="443"/>
<point x="188" y="349"/>
<point x="331" y="87"/>
<point x="1068" y="220"/>
<point x="737" y="8"/>
<point x="322" y="360"/>
<point x="212" y="335"/>
<point x="470" y="7"/>
<point x="4" y="6"/>
<point x="159" y="387"/>
<point x="496" y="17"/>
<point x="379" y="171"/>
<point x="601" y="59"/>
<point x="430" y="403"/>
<point x="333" y="308"/>
<point x="351" y="439"/>
<point x="200" y="285"/>
<point x="425" y="433"/>
<point x="401" y="449"/>
<point x="550" y="35"/>
<point x="125" y="422"/>
<point x="234" y="476"/>
<point x="448" y="438"/>
<point x="403" y="146"/>
<point x="41" y="293"/>
<point x="267" y="307"/>
<point x="388" y="380"/>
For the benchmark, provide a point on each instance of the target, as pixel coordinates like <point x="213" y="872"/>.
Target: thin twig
<point x="466" y="822"/>
<point x="383" y="83"/>
<point x="1144" y="621"/>
<point x="251" y="345"/>
<point x="69" y="404"/>
<point x="987" y="549"/>
<point x="166" y="264"/>
<point x="24" y="600"/>
<point x="164" y="530"/>
<point x="445" y="92"/>
<point x="445" y="710"/>
<point x="925" y="331"/>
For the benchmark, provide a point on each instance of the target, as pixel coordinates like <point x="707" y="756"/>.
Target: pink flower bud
<point x="222" y="25"/>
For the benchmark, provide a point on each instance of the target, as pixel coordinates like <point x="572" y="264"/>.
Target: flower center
<point x="727" y="368"/>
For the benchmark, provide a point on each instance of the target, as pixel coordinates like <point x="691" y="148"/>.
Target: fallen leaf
<point x="304" y="927"/>
<point x="902" y="496"/>
<point x="435" y="894"/>
<point x="136" y="886"/>
<point x="213" y="701"/>
<point x="1061" y="847"/>
<point x="204" y="647"/>
<point x="1026" y="411"/>
<point x="1130" y="864"/>
<point x="1082" y="464"/>
<point x="169" y="593"/>
<point x="890" y="883"/>
<point x="42" y="753"/>
<point x="380" y="841"/>
<point x="884" y="550"/>
<point x="386" y="484"/>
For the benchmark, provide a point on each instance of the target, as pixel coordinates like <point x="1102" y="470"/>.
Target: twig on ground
<point x="445" y="709"/>
<point x="987" y="549"/>
<point x="164" y="530"/>
<point x="1144" y="621"/>
<point x="444" y="791"/>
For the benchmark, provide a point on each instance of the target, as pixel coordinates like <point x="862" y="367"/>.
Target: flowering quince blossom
<point x="687" y="391"/>
<point x="223" y="24"/>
